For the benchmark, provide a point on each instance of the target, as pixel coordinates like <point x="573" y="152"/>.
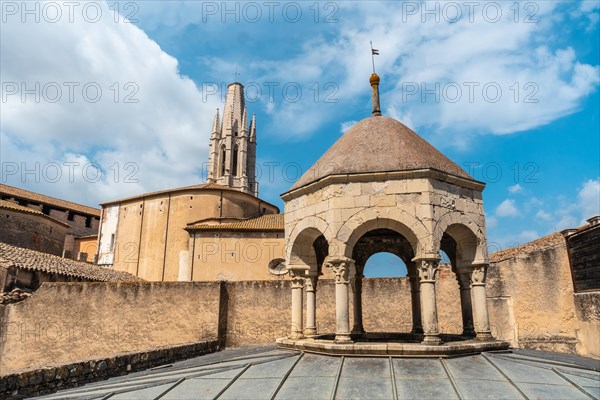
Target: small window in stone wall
<point x="277" y="267"/>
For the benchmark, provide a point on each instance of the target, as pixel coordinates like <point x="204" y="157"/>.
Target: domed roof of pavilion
<point x="379" y="144"/>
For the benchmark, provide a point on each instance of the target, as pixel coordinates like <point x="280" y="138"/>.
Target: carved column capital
<point x="297" y="279"/>
<point x="479" y="274"/>
<point x="464" y="279"/>
<point x="311" y="283"/>
<point x="428" y="269"/>
<point x="342" y="267"/>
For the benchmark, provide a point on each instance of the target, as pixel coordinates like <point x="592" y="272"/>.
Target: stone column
<point x="428" y="270"/>
<point x="466" y="307"/>
<point x="311" y="305"/>
<point x="297" y="285"/>
<point x="479" y="300"/>
<point x="415" y="298"/>
<point x="343" y="268"/>
<point x="358" y="329"/>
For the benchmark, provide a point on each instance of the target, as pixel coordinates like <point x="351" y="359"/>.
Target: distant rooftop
<point x="269" y="222"/>
<point x="12" y="256"/>
<point x="43" y="199"/>
<point x="9" y="205"/>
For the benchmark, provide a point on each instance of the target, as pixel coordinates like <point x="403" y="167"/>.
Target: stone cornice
<point x="384" y="176"/>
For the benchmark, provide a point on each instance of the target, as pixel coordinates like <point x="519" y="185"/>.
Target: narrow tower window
<point x="235" y="161"/>
<point x="222" y="160"/>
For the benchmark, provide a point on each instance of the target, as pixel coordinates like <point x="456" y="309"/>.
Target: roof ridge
<point x="42" y="198"/>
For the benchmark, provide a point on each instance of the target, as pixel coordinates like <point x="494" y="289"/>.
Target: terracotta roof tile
<point x="268" y="222"/>
<point x="552" y="240"/>
<point x="12" y="256"/>
<point x="379" y="144"/>
<point x="9" y="205"/>
<point x="40" y="198"/>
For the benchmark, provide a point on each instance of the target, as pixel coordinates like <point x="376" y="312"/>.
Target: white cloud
<point x="589" y="199"/>
<point x="543" y="215"/>
<point x="528" y="235"/>
<point x="515" y="188"/>
<point x="538" y="84"/>
<point x="160" y="137"/>
<point x="507" y="208"/>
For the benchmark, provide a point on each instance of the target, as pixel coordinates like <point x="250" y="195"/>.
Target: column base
<point x="296" y="336"/>
<point x="432" y="340"/>
<point x="484" y="336"/>
<point x="343" y="338"/>
<point x="468" y="333"/>
<point x="310" y="332"/>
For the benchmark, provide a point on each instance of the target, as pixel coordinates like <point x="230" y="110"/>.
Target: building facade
<point x="219" y="230"/>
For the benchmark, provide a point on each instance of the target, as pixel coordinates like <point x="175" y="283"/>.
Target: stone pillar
<point x="343" y="269"/>
<point x="297" y="285"/>
<point x="358" y="329"/>
<point x="466" y="307"/>
<point x="415" y="298"/>
<point x="428" y="270"/>
<point x="311" y="306"/>
<point x="479" y="300"/>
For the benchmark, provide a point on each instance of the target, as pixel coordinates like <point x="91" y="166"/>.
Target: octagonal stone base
<point x="389" y="344"/>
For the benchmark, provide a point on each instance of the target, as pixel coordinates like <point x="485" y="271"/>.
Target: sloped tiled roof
<point x="552" y="240"/>
<point x="12" y="256"/>
<point x="268" y="222"/>
<point x="9" y="205"/>
<point x="379" y="144"/>
<point x="40" y="198"/>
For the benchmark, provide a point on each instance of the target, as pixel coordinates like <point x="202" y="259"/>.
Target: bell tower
<point x="232" y="159"/>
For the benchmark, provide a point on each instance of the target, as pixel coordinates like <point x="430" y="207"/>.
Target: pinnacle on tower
<point x="232" y="160"/>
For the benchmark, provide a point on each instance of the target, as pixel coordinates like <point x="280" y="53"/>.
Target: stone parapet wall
<point x="64" y="322"/>
<point x="532" y="304"/>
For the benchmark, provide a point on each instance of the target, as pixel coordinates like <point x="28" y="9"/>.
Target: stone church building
<point x="219" y="230"/>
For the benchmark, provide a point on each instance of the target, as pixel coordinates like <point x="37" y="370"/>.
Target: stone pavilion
<point x="381" y="187"/>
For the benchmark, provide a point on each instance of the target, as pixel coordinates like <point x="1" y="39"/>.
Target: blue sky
<point x="536" y="143"/>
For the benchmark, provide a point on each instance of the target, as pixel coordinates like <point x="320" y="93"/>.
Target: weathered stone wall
<point x="64" y="322"/>
<point x="31" y="231"/>
<point x="532" y="305"/>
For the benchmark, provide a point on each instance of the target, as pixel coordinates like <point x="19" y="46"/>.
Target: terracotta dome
<point x="379" y="144"/>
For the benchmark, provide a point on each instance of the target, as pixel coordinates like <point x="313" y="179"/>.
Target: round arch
<point x="351" y="237"/>
<point x="468" y="236"/>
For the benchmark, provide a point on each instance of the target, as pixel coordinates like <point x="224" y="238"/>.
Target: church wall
<point x="164" y="243"/>
<point x="66" y="322"/>
<point x="235" y="256"/>
<point x="153" y="240"/>
<point x="108" y="235"/>
<point x="128" y="237"/>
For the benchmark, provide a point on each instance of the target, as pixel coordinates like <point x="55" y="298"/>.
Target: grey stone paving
<point x="268" y="373"/>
